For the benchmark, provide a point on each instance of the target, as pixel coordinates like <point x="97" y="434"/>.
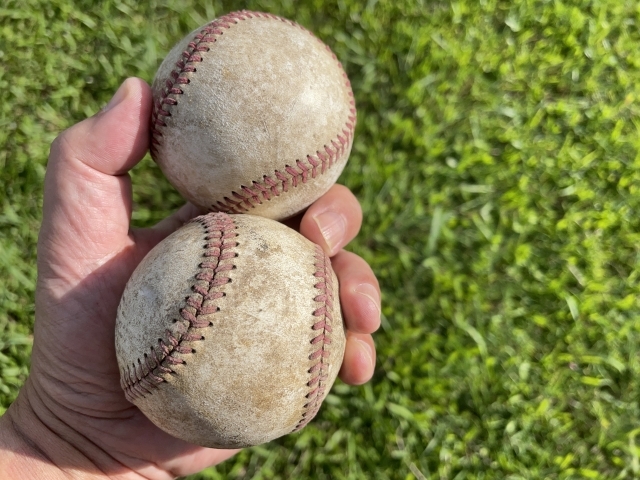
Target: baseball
<point x="229" y="333"/>
<point x="252" y="114"/>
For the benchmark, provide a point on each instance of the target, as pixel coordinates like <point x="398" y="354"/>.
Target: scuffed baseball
<point x="252" y="114"/>
<point x="229" y="332"/>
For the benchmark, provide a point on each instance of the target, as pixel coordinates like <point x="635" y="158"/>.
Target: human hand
<point x="71" y="416"/>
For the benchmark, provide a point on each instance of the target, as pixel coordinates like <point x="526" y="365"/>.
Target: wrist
<point x="33" y="446"/>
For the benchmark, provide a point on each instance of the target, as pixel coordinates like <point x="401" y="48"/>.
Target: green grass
<point x="497" y="159"/>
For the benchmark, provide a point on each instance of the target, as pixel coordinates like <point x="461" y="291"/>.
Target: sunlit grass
<point x="497" y="162"/>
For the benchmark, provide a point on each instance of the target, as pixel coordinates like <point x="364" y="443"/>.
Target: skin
<point x="71" y="419"/>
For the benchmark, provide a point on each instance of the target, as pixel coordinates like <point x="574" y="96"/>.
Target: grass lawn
<point x="497" y="159"/>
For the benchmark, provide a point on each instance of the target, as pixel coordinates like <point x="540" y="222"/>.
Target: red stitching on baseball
<point x="323" y="326"/>
<point x="185" y="65"/>
<point x="268" y="186"/>
<point x="141" y="378"/>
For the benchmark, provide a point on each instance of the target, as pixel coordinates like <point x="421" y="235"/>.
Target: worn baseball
<point x="229" y="332"/>
<point x="252" y="114"/>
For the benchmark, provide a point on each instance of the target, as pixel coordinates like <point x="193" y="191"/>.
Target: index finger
<point x="333" y="220"/>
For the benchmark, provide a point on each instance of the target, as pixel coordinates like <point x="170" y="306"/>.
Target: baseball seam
<point x="141" y="378"/>
<point x="323" y="325"/>
<point x="247" y="197"/>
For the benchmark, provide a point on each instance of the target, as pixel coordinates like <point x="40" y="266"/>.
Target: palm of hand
<point x="86" y="254"/>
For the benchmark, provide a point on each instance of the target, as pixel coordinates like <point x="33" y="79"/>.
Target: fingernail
<point x="333" y="227"/>
<point x="371" y="293"/>
<point x="365" y="350"/>
<point x="118" y="97"/>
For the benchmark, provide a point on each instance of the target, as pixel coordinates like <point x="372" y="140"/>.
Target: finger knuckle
<point x="61" y="147"/>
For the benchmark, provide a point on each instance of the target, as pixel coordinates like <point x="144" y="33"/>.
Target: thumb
<point x="87" y="192"/>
